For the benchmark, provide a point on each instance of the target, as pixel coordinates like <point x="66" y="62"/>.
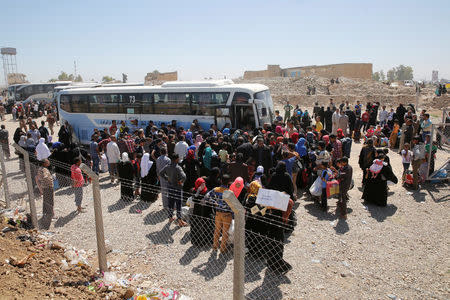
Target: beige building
<point x="168" y="76"/>
<point x="350" y="70"/>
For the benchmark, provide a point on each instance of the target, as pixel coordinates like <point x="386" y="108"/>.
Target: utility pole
<point x="75" y="69"/>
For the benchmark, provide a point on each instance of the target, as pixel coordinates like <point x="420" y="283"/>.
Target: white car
<point x="408" y="83"/>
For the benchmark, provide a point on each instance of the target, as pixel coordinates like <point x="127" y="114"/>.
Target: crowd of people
<point x="192" y="165"/>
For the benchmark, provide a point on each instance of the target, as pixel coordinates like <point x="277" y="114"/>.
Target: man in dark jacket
<point x="262" y="155"/>
<point x="328" y="119"/>
<point x="175" y="176"/>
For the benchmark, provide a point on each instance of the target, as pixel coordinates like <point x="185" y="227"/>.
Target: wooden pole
<point x="5" y="178"/>
<point x="26" y="159"/>
<point x="239" y="244"/>
<point x="99" y="229"/>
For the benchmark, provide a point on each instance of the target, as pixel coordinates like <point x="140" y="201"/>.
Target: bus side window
<point x="147" y="104"/>
<point x="240" y="97"/>
<point x="64" y="103"/>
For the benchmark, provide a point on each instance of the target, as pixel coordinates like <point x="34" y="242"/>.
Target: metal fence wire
<point x="194" y="254"/>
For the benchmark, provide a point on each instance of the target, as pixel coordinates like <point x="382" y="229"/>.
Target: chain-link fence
<point x="191" y="248"/>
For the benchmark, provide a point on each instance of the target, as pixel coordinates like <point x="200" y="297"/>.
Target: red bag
<point x="332" y="188"/>
<point x="409" y="179"/>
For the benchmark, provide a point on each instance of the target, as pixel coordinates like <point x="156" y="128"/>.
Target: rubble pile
<point x="348" y="89"/>
<point x="34" y="265"/>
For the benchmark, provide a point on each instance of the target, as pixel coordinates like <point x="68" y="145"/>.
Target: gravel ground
<point x="399" y="251"/>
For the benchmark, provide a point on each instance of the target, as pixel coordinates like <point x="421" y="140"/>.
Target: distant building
<point x="350" y="70"/>
<point x="434" y="76"/>
<point x="156" y="76"/>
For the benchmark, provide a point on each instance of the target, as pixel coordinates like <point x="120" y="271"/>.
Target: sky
<point x="221" y="38"/>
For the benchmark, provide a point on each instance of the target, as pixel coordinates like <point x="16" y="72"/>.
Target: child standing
<point x="345" y="175"/>
<point x="325" y="176"/>
<point x="406" y="160"/>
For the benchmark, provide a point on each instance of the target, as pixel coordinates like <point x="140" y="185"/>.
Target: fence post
<point x="431" y="152"/>
<point x="26" y="159"/>
<point x="99" y="230"/>
<point x="5" y="178"/>
<point x="239" y="244"/>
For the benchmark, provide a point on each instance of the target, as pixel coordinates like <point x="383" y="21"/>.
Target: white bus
<point x="244" y="106"/>
<point x="26" y="92"/>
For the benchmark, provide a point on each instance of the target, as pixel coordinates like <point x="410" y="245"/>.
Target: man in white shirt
<point x="335" y="120"/>
<point x="383" y="116"/>
<point x="181" y="148"/>
<point x="113" y="154"/>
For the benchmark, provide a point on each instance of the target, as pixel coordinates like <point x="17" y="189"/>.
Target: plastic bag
<point x="316" y="187"/>
<point x="190" y="202"/>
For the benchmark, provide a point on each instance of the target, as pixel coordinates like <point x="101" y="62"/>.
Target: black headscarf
<point x="281" y="181"/>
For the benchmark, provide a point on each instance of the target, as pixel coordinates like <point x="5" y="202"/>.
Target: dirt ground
<point x="44" y="274"/>
<point x="394" y="252"/>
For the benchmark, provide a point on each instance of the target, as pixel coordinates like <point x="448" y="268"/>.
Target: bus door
<point x="243" y="111"/>
<point x="222" y="116"/>
<point x="244" y="116"/>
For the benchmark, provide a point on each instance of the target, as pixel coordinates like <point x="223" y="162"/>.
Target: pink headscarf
<point x="279" y="130"/>
<point x="237" y="186"/>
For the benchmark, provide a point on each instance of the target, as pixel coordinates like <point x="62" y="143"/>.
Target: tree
<point x="401" y="72"/>
<point x="67" y="77"/>
<point x="404" y="72"/>
<point x="391" y="75"/>
<point x="382" y="76"/>
<point x="376" y="76"/>
<point x="124" y="78"/>
<point x="107" y="79"/>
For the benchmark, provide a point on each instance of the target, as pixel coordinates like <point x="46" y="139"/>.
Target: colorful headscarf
<point x="294" y="137"/>
<point x="278" y="129"/>
<point x="326" y="139"/>
<point x="207" y="157"/>
<point x="340" y="133"/>
<point x="190" y="155"/>
<point x="198" y="183"/>
<point x="253" y="188"/>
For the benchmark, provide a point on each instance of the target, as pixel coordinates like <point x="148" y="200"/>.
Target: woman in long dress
<point x="394" y="135"/>
<point x="148" y="183"/>
<point x="191" y="167"/>
<point x="255" y="226"/>
<point x="202" y="219"/>
<point x="125" y="170"/>
<point x="375" y="189"/>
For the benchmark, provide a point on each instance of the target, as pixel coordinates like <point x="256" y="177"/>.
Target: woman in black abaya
<point x="149" y="191"/>
<point x="255" y="225"/>
<point x="375" y="189"/>
<point x="202" y="219"/>
<point x="125" y="170"/>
